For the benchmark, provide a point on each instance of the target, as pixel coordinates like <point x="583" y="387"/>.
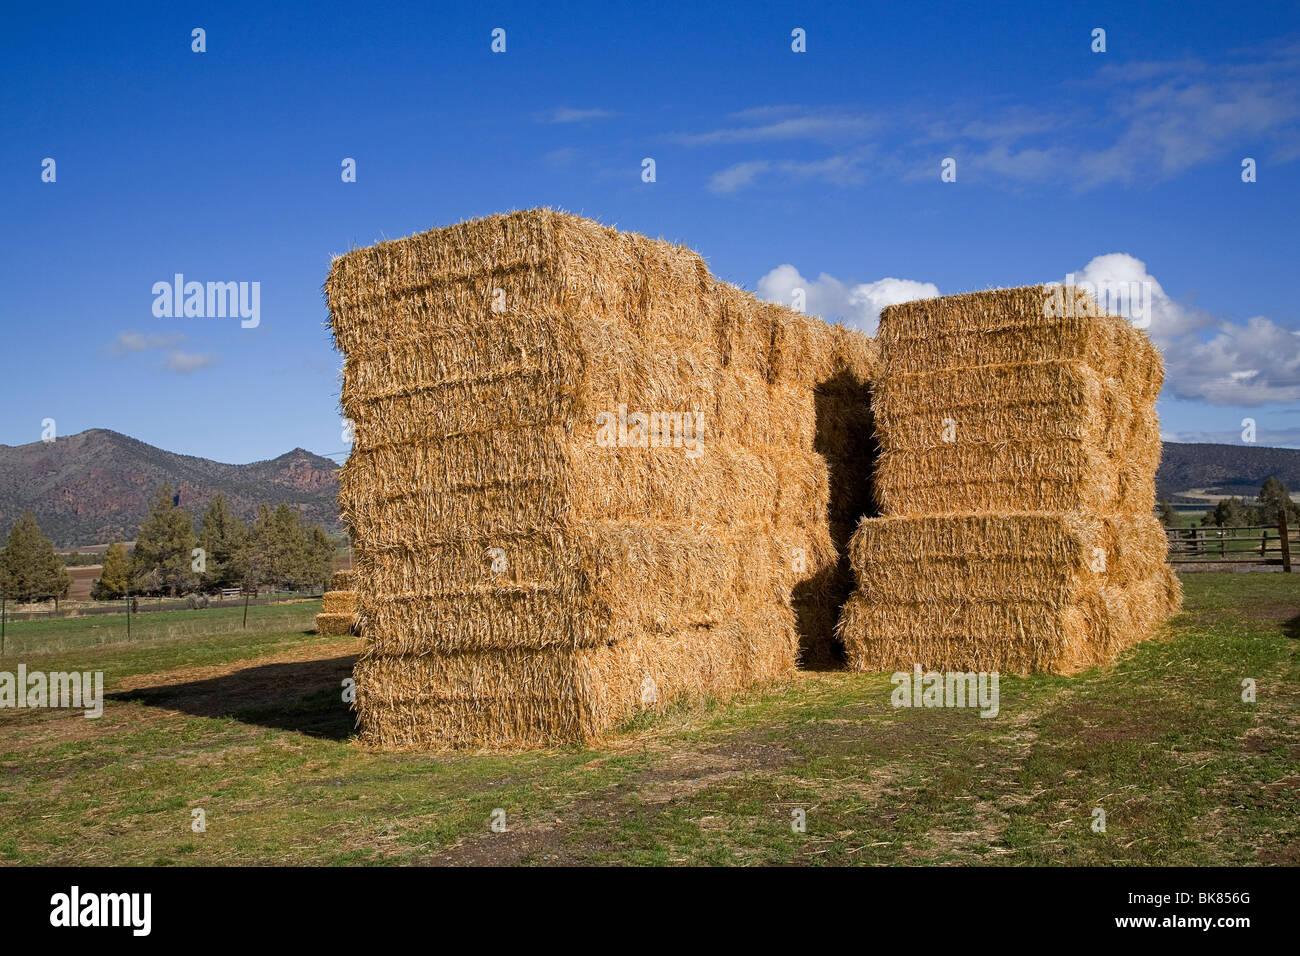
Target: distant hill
<point x="96" y="486"/>
<point x="1226" y="469"/>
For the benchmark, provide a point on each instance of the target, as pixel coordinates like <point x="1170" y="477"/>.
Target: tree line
<point x="1266" y="509"/>
<point x="278" y="549"/>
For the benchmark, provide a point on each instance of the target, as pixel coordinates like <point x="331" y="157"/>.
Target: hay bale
<point x="1016" y="477"/>
<point x="1015" y="593"/>
<point x="1043" y="557"/>
<point x="1002" y="407"/>
<point x="1014" y="326"/>
<point x="339" y="605"/>
<point x="334" y="624"/>
<point x="339" y="602"/>
<point x="533" y="567"/>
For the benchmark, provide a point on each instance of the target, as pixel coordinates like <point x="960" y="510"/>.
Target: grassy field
<point x="168" y="627"/>
<point x="250" y="728"/>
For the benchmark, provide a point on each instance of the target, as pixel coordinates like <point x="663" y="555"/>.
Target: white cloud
<point x="735" y="177"/>
<point x="840" y="170"/>
<point x="1023" y="165"/>
<point x="175" y="361"/>
<point x="1169" y="319"/>
<point x="1135" y="123"/>
<point x="564" y="156"/>
<point x="1206" y="358"/>
<point x="1271" y="437"/>
<point x="1188" y="120"/>
<point x="131" y="341"/>
<point x="820" y="127"/>
<point x="856" y="305"/>
<point x="564" y="114"/>
<point x="874" y="296"/>
<point x="1251" y="364"/>
<point x="186" y="362"/>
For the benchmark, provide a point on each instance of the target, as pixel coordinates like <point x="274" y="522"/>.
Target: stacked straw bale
<point x="529" y="571"/>
<point x="1018" y="448"/>
<point x="339" y="606"/>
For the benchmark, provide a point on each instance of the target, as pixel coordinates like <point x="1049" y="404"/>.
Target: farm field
<point x="250" y="727"/>
<point x="94" y="630"/>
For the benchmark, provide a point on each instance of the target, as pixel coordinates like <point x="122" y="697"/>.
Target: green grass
<point x="54" y="635"/>
<point x="1190" y="519"/>
<point x="1186" y="772"/>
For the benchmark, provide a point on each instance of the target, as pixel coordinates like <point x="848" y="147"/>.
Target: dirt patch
<point x="1261" y="740"/>
<point x="31" y="730"/>
<point x="1271" y="611"/>
<point x="673" y="777"/>
<point x="1287" y="854"/>
<point x="1289" y="784"/>
<point x="1085" y="722"/>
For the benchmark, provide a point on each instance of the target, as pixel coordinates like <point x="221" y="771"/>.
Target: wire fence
<point x="140" y="604"/>
<point x="275" y="613"/>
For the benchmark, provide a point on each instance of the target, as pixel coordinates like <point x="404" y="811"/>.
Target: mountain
<point x="96" y="486"/>
<point x="1226" y="469"/>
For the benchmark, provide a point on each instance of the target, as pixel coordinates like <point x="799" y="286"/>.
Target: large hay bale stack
<point x="1018" y="448"/>
<point x="587" y="479"/>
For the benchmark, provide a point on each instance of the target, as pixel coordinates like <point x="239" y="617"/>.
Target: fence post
<point x="1285" y="534"/>
<point x="1263" y="543"/>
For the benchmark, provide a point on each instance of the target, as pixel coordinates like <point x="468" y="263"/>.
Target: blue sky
<point x="818" y="169"/>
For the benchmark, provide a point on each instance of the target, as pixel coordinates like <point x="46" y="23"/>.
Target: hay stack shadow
<point x="303" y="697"/>
<point x="845" y="438"/>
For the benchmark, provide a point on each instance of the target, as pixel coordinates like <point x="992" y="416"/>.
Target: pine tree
<point x="29" y="568"/>
<point x="321" y="558"/>
<point x="283" y="552"/>
<point x="255" y="558"/>
<point x="1168" y="516"/>
<point x="115" y="579"/>
<point x="288" y="547"/>
<point x="1273" y="497"/>
<point x="58" y="580"/>
<point x="164" y="547"/>
<point x="222" y="539"/>
<point x="1231" y="513"/>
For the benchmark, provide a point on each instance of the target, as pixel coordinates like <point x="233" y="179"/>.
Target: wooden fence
<point x="1261" y="545"/>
